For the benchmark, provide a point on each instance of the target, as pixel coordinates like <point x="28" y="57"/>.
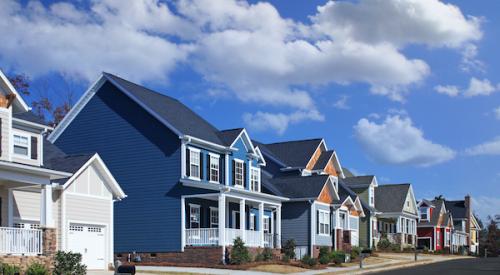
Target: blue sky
<point x="409" y="92"/>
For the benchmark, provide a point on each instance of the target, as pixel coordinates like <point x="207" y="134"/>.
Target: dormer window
<point x="424" y="213"/>
<point x="21" y="145"/>
<point x="254" y="179"/>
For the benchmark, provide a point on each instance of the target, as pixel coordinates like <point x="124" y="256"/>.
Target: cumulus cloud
<point x="487" y="148"/>
<point x="279" y="122"/>
<point x="341" y="103"/>
<point x="477" y="87"/>
<point x="449" y="90"/>
<point x="249" y="50"/>
<point x="397" y="141"/>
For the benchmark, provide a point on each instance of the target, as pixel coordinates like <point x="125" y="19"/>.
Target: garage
<point x="90" y="241"/>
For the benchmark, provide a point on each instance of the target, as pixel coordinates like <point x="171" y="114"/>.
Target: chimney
<point x="468" y="214"/>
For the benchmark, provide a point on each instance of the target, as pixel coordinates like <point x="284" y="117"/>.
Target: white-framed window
<point x="254" y="178"/>
<point x="251" y="222"/>
<point x="214" y="168"/>
<point x="21" y="145"/>
<point x="324" y="222"/>
<point x="423" y="213"/>
<point x="372" y="195"/>
<point x="343" y="220"/>
<point x="266" y="226"/>
<point x="238" y="172"/>
<point x="194" y="216"/>
<point x="214" y="217"/>
<point x="194" y="163"/>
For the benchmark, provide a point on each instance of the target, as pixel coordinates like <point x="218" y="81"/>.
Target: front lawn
<point x="278" y="268"/>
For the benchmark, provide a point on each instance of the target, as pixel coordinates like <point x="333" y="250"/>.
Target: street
<point x="455" y="267"/>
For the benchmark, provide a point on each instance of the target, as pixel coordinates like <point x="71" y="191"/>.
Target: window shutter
<point x="317" y="221"/>
<point x="201" y="165"/>
<point x="233" y="172"/>
<point x="34" y="148"/>
<point x="188" y="161"/>
<point x="222" y="170"/>
<point x="208" y="167"/>
<point x="245" y="174"/>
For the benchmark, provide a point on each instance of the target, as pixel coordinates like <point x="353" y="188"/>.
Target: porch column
<point x="222" y="220"/>
<point x="261" y="223"/>
<point x="46" y="219"/>
<point x="183" y="223"/>
<point x="278" y="227"/>
<point x="242" y="219"/>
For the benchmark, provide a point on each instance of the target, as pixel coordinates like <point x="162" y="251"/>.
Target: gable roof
<point x="299" y="186"/>
<point x="358" y="181"/>
<point x="55" y="159"/>
<point x="391" y="197"/>
<point x="323" y="160"/>
<point x="228" y="136"/>
<point x="350" y="190"/>
<point x="457" y="209"/>
<point x="295" y="153"/>
<point x="347" y="172"/>
<point x="438" y="206"/>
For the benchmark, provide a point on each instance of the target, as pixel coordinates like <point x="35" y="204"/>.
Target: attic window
<point x="424" y="213"/>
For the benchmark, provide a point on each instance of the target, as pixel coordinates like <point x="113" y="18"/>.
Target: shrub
<point x="289" y="249"/>
<point x="355" y="251"/>
<point x="259" y="257"/>
<point x="384" y="244"/>
<point x="239" y="253"/>
<point x="324" y="255"/>
<point x="37" y="269"/>
<point x="395" y="248"/>
<point x="8" y="269"/>
<point x="267" y="254"/>
<point x="285" y="258"/>
<point x="307" y="260"/>
<point x="337" y="257"/>
<point x="68" y="263"/>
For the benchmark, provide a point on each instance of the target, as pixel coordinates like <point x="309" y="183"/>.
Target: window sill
<point x="194" y="178"/>
<point x="214" y="182"/>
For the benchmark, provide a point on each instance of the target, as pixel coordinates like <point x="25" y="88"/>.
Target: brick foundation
<point x="316" y="249"/>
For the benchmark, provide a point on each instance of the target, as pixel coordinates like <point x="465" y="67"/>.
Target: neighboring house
<point x="49" y="200"/>
<point x="364" y="187"/>
<point x="321" y="211"/>
<point x="397" y="217"/>
<point x="435" y="226"/>
<point x="192" y="189"/>
<point x="465" y="223"/>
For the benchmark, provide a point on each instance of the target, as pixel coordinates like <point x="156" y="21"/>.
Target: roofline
<point x="322" y="141"/>
<point x="32" y="124"/>
<point x="200" y="141"/>
<point x="14" y="91"/>
<point x="39" y="170"/>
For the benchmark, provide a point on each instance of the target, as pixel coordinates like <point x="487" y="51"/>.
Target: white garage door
<point x="88" y="240"/>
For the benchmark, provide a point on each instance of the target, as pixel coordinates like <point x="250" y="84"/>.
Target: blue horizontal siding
<point x="296" y="222"/>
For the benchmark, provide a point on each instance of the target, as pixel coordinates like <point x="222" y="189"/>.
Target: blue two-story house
<point x="192" y="189"/>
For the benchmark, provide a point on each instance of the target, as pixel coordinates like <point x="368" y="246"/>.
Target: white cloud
<point x="487" y="148"/>
<point x="249" y="50"/>
<point x="497" y="113"/>
<point x="397" y="141"/>
<point x="341" y="103"/>
<point x="479" y="87"/>
<point x="449" y="90"/>
<point x="279" y="122"/>
<point x="486" y="206"/>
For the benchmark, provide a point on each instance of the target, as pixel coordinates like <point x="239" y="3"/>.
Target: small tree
<point x="68" y="263"/>
<point x="289" y="249"/>
<point x="324" y="255"/>
<point x="239" y="252"/>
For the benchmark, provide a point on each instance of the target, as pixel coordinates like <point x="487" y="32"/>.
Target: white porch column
<point x="183" y="223"/>
<point x="278" y="227"/>
<point x="242" y="219"/>
<point x="261" y="223"/>
<point x="46" y="206"/>
<point x="222" y="220"/>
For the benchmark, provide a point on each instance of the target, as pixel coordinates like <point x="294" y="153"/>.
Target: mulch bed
<point x="230" y="266"/>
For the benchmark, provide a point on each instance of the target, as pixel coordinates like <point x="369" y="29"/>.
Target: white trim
<point x="63" y="222"/>
<point x="32" y="124"/>
<point x="317" y="147"/>
<point x="195" y="151"/>
<point x="183" y="223"/>
<point x="21" y="134"/>
<point x="249" y="141"/>
<point x="183" y="159"/>
<point x="327" y="213"/>
<point x="242" y="173"/>
<point x="209" y="160"/>
<point x="13" y="90"/>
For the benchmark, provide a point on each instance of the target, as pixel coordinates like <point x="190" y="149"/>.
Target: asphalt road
<point x="456" y="267"/>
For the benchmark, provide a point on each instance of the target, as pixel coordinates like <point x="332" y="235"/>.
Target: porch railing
<point x="20" y="241"/>
<point x="231" y="234"/>
<point x="210" y="236"/>
<point x="202" y="236"/>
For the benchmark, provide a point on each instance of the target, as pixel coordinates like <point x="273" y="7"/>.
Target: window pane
<point x="20" y="150"/>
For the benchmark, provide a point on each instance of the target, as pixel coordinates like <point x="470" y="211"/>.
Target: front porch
<point x="217" y="219"/>
<point x="400" y="230"/>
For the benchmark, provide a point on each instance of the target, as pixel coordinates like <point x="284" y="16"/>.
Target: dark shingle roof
<point x="171" y="110"/>
<point x="352" y="192"/>
<point x="29" y="116"/>
<point x="55" y="159"/>
<point x="294" y="153"/>
<point x="457" y="209"/>
<point x="358" y="181"/>
<point x="391" y="197"/>
<point x="299" y="186"/>
<point x="347" y="172"/>
<point x="323" y="160"/>
<point x="228" y="136"/>
<point x="434" y="219"/>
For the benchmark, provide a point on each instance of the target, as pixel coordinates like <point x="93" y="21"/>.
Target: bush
<point x="324" y="255"/>
<point x="37" y="269"/>
<point x="239" y="253"/>
<point x="307" y="260"/>
<point x="337" y="257"/>
<point x="285" y="258"/>
<point x="267" y="254"/>
<point x="68" y="263"/>
<point x="395" y="247"/>
<point x="289" y="249"/>
<point x="355" y="251"/>
<point x="8" y="269"/>
<point x="384" y="244"/>
<point x="259" y="257"/>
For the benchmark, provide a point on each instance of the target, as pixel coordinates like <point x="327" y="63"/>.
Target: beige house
<point x="49" y="200"/>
